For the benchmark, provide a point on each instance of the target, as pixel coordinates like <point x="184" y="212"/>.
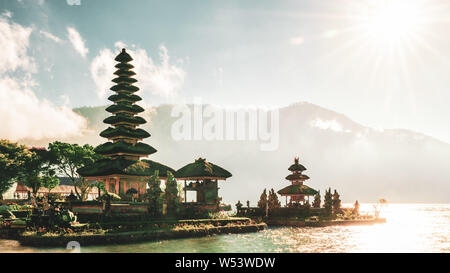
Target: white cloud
<point x="327" y="125"/>
<point x="163" y="79"/>
<point x="77" y="41"/>
<point x="297" y="40"/>
<point x="73" y="2"/>
<point x="50" y="36"/>
<point x="102" y="69"/>
<point x="23" y="115"/>
<point x="7" y="13"/>
<point x="14" y="41"/>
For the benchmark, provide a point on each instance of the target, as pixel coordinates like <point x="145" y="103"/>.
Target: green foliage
<point x="12" y="157"/>
<point x="262" y="203"/>
<point x="239" y="205"/>
<point x="328" y="202"/>
<point x="131" y="191"/>
<point x="101" y="188"/>
<point x="154" y="195"/>
<point x="336" y="203"/>
<point x="50" y="183"/>
<point x="218" y="215"/>
<point x="317" y="201"/>
<point x="37" y="170"/>
<point x="171" y="194"/>
<point x="71" y="157"/>
<point x="273" y="201"/>
<point x="306" y="205"/>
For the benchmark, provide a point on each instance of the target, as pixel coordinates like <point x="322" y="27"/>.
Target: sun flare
<point x="391" y="22"/>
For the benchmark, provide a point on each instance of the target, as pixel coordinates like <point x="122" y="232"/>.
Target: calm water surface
<point x="409" y="228"/>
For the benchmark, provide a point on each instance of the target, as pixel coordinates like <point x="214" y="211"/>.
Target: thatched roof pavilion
<point x="204" y="175"/>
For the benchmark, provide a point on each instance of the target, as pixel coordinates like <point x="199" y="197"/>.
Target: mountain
<point x="360" y="162"/>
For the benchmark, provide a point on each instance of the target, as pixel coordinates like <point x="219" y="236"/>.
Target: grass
<point x="120" y="227"/>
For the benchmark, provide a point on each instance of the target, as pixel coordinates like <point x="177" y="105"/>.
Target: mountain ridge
<point x="361" y="162"/>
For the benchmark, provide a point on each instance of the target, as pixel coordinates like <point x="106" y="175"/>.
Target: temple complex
<point x="297" y="191"/>
<point x="121" y="169"/>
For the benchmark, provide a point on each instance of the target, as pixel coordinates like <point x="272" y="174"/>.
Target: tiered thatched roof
<point x="121" y="166"/>
<point x="201" y="170"/>
<point x="297" y="179"/>
<point x="297" y="189"/>
<point x="123" y="152"/>
<point x="297" y="167"/>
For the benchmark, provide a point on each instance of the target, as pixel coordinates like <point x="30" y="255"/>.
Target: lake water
<point x="409" y="228"/>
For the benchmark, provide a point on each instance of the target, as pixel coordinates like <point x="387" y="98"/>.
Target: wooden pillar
<point x="185" y="192"/>
<point x="125" y="188"/>
<point x="117" y="185"/>
<point x="106" y="182"/>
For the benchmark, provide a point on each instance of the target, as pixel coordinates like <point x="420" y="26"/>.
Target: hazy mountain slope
<point x="362" y="163"/>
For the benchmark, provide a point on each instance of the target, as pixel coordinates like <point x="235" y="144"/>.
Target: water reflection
<point x="410" y="228"/>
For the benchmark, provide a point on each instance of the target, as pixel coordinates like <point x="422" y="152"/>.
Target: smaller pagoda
<point x="297" y="191"/>
<point x="203" y="177"/>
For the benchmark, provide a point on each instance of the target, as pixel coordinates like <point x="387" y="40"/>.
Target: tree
<point x="328" y="202"/>
<point x="37" y="170"/>
<point x="108" y="197"/>
<point x="12" y="157"/>
<point x="171" y="194"/>
<point x="262" y="203"/>
<point x="274" y="203"/>
<point x="100" y="188"/>
<point x="50" y="183"/>
<point x="71" y="157"/>
<point x="317" y="201"/>
<point x="154" y="195"/>
<point x="238" y="205"/>
<point x="379" y="206"/>
<point x="336" y="202"/>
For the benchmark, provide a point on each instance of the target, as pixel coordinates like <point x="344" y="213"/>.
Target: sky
<point x="384" y="64"/>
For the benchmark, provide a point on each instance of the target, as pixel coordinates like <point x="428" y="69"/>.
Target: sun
<point x="391" y="22"/>
<point x="383" y="44"/>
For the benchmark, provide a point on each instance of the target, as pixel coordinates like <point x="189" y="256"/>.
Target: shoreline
<point x="134" y="236"/>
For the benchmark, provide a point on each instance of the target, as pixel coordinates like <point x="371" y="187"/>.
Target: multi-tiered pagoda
<point x="121" y="168"/>
<point x="297" y="190"/>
